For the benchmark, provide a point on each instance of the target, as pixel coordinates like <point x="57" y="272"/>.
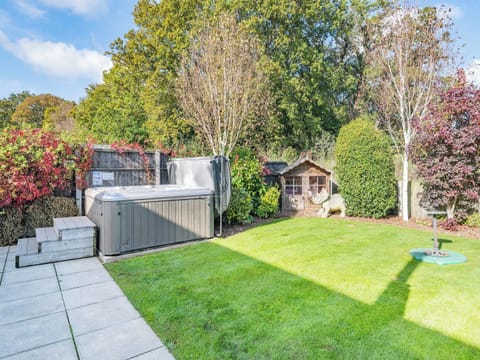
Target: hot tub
<point x="139" y="217"/>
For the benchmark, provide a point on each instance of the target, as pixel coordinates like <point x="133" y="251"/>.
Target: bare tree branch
<point x="410" y="53"/>
<point x="221" y="86"/>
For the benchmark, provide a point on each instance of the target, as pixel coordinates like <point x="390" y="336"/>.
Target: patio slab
<point x="30" y="334"/>
<point x="83" y="278"/>
<point x="62" y="350"/>
<point x="28" y="289"/>
<point x="123" y="341"/>
<point x="74" y="266"/>
<point x="29" y="308"/>
<point x="91" y="294"/>
<point x="28" y="274"/>
<point x="101" y="315"/>
<point x="41" y="320"/>
<point x="157" y="354"/>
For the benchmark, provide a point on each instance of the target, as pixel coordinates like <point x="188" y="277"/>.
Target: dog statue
<point x="329" y="204"/>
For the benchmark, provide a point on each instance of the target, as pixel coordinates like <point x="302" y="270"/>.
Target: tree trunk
<point x="405" y="197"/>
<point x="451" y="209"/>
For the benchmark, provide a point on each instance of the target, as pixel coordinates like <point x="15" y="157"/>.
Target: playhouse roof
<point x="302" y="161"/>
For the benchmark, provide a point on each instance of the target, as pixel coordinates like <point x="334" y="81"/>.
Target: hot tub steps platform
<point x="69" y="238"/>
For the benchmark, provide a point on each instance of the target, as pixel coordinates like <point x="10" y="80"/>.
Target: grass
<point x="309" y="288"/>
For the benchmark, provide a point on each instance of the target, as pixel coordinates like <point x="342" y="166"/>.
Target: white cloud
<point x="58" y="59"/>
<point x="29" y="9"/>
<point x="473" y="73"/>
<point x="79" y="7"/>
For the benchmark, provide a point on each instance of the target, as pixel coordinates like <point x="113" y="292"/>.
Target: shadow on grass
<point x="209" y="302"/>
<point x="443" y="241"/>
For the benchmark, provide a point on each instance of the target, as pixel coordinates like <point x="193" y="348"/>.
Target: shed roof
<point x="275" y="167"/>
<point x="302" y="161"/>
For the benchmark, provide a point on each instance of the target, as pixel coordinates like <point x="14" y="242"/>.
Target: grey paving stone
<point x="11" y="252"/>
<point x="28" y="274"/>
<point x="30" y="334"/>
<point x="101" y="315"/>
<point x="23" y="309"/>
<point x="10" y="266"/>
<point x="70" y="281"/>
<point x="158" y="354"/>
<point x="3" y="258"/>
<point x="62" y="350"/>
<point x="91" y="294"/>
<point x="118" y="342"/>
<point x="73" y="266"/>
<point x="28" y="289"/>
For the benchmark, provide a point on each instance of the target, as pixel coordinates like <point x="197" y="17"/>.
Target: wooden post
<point x="157" y="168"/>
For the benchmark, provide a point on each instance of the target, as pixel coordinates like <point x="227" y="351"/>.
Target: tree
<point x="222" y="87"/>
<point x="9" y="105"/>
<point x="317" y="53"/>
<point x="112" y="112"/>
<point x="142" y="80"/>
<point x="315" y="64"/>
<point x="446" y="150"/>
<point x="409" y="55"/>
<point x="44" y="111"/>
<point x="365" y="169"/>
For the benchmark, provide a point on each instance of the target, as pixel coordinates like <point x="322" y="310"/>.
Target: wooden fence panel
<point x="113" y="169"/>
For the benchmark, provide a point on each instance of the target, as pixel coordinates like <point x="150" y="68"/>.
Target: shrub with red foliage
<point x="35" y="163"/>
<point x="447" y="150"/>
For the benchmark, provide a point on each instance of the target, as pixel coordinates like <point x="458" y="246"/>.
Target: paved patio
<point x="69" y="310"/>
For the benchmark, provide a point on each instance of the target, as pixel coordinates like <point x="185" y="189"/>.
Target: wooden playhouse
<point x="302" y="180"/>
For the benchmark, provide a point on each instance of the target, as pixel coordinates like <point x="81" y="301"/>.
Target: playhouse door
<point x="293" y="203"/>
<point x="293" y="199"/>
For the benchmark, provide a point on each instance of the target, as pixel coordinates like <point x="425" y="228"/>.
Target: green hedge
<point x="240" y="207"/>
<point x="269" y="202"/>
<point x="365" y="170"/>
<point x="18" y="222"/>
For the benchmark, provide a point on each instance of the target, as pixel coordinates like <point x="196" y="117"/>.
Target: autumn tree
<point x="409" y="55"/>
<point x="222" y="87"/>
<point x="8" y="106"/>
<point x="44" y="111"/>
<point x="446" y="150"/>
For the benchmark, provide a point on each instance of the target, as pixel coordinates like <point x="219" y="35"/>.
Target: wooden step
<point x="76" y="227"/>
<point x="46" y="234"/>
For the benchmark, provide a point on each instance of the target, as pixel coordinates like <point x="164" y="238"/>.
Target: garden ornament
<point x="329" y="204"/>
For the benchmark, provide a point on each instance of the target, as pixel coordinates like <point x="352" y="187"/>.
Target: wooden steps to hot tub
<point x="69" y="238"/>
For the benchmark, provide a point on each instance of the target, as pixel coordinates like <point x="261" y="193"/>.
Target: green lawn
<point x="309" y="288"/>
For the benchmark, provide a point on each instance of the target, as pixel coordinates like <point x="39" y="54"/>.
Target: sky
<point x="58" y="46"/>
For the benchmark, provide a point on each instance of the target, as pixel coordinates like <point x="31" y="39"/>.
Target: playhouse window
<point x="317" y="183"/>
<point x="293" y="185"/>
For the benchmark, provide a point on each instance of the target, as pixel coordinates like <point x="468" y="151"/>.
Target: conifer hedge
<point x="365" y="170"/>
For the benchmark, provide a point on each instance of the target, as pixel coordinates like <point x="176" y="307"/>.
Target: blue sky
<point x="57" y="46"/>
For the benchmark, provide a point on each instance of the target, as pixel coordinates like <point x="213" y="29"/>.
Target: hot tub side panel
<point x="141" y="224"/>
<point x="102" y="213"/>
